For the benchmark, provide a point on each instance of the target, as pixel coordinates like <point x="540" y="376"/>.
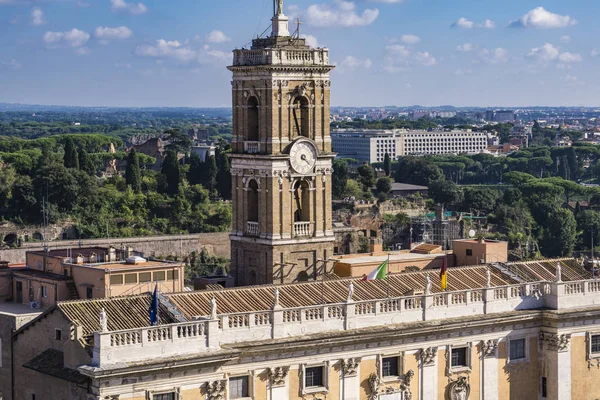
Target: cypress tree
<point x="133" y="176"/>
<point x="211" y="173"/>
<point x="170" y="169"/>
<point x="85" y="163"/>
<point x="223" y="176"/>
<point x="194" y="175"/>
<point x="387" y="164"/>
<point x="70" y="158"/>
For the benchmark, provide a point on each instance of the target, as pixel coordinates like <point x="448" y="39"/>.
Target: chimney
<point x="376" y="245"/>
<point x="112" y="254"/>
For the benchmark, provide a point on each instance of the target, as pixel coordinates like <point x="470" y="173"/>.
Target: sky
<point x="387" y="52"/>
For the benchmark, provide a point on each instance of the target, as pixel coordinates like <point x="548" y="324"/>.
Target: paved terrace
<point x="254" y="313"/>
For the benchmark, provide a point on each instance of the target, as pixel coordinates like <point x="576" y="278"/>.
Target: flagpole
<point x="387" y="275"/>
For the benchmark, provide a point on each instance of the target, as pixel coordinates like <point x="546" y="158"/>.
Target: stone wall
<point x="158" y="246"/>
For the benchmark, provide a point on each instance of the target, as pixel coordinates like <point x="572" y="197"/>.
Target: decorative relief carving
<point x="350" y="366"/>
<point x="277" y="375"/>
<point x="489" y="347"/>
<point x="555" y="341"/>
<point x="377" y="388"/>
<point x="216" y="390"/>
<point x="428" y="355"/>
<point x="459" y="389"/>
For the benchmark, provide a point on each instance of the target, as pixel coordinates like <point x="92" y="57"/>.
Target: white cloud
<point x="570" y="78"/>
<point x="106" y="34"/>
<point x="545" y="53"/>
<point x="132" y="8"/>
<point x="594" y="53"/>
<point x="37" y="16"/>
<point x="460" y="72"/>
<point x="73" y="38"/>
<point x="498" y="55"/>
<point x="400" y="58"/>
<point x="541" y="18"/>
<point x="465" y="23"/>
<point x="350" y="62"/>
<point x="565" y="39"/>
<point x="465" y="47"/>
<point x="570" y="57"/>
<point x="410" y="39"/>
<point x="425" y="58"/>
<point x="82" y="51"/>
<point x="549" y="52"/>
<point x="339" y="13"/>
<point x="217" y="36"/>
<point x="11" y="64"/>
<point x="311" y="40"/>
<point x="167" y="49"/>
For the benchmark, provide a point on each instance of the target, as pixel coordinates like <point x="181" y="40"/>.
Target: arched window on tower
<point x="300" y="117"/>
<point x="302" y="225"/>
<point x="252" y="133"/>
<point x="252" y="204"/>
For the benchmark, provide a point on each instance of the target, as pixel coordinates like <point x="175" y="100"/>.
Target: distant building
<point x="406" y="190"/>
<point x="372" y="145"/>
<point x="204" y="151"/>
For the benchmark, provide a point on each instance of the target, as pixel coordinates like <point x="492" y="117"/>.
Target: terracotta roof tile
<point x="51" y="362"/>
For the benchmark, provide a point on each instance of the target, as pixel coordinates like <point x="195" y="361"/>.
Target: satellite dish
<point x="472" y="233"/>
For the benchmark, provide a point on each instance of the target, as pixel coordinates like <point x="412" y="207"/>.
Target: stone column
<point x="429" y="373"/>
<point x="489" y="370"/>
<point x="278" y="383"/>
<point x="350" y="381"/>
<point x="556" y="365"/>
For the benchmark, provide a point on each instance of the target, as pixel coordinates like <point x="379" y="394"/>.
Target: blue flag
<point x="153" y="310"/>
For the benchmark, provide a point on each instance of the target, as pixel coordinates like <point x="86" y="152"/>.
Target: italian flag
<point x="378" y="273"/>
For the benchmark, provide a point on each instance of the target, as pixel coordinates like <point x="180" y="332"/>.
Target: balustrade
<point x="252" y="147"/>
<point x="321" y="318"/>
<point x="252" y="229"/>
<point x="302" y="229"/>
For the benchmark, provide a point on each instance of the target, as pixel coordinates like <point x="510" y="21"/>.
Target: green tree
<point x="223" y="175"/>
<point x="339" y="178"/>
<point x="417" y="171"/>
<point x="85" y="163"/>
<point x="171" y="172"/>
<point x="210" y="175"/>
<point x="559" y="233"/>
<point x="133" y="175"/>
<point x="194" y="174"/>
<point x="588" y="223"/>
<point x="482" y="200"/>
<point x="387" y="165"/>
<point x="178" y="141"/>
<point x="366" y="176"/>
<point x="445" y="192"/>
<point x="384" y="185"/>
<point x="70" y="158"/>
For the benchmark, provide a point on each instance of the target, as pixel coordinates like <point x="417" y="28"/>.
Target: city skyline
<point x="151" y="54"/>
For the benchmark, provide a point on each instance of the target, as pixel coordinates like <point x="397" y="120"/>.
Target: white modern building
<point x="371" y="145"/>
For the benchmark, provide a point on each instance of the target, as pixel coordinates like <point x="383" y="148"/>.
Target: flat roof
<point x="122" y="265"/>
<point x="16" y="309"/>
<point x="367" y="258"/>
<point x="35" y="273"/>
<point x="73" y="251"/>
<point x="407" y="186"/>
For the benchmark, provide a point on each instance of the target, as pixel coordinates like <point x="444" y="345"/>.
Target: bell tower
<point x="281" y="160"/>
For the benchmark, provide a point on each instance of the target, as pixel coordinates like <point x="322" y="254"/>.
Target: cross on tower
<point x="298" y="23"/>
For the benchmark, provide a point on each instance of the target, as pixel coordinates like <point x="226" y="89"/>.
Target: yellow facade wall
<point x="294" y="384"/>
<point x="260" y="385"/>
<point x="520" y="380"/>
<point x="411" y="361"/>
<point x="367" y="367"/>
<point x="584" y="381"/>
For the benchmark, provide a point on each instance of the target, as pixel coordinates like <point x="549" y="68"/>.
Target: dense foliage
<point x="63" y="172"/>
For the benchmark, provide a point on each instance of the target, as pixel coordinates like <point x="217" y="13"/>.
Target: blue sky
<point x="387" y="52"/>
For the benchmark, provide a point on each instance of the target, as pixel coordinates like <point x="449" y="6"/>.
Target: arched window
<point x="300" y="117"/>
<point x="301" y="201"/>
<point x="252" y="128"/>
<point x="252" y="201"/>
<point x="252" y="278"/>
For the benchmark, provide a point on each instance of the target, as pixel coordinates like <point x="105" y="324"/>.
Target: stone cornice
<point x="281" y="68"/>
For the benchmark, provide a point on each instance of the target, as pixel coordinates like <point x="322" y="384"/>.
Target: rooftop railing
<point x="312" y="57"/>
<point x="204" y="334"/>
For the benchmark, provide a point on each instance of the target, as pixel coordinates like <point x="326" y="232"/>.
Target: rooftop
<point x="406" y="186"/>
<point x="123" y="265"/>
<point x="14" y="309"/>
<point x="381" y="257"/>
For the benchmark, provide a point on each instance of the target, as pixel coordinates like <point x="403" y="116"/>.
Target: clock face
<point x="303" y="157"/>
